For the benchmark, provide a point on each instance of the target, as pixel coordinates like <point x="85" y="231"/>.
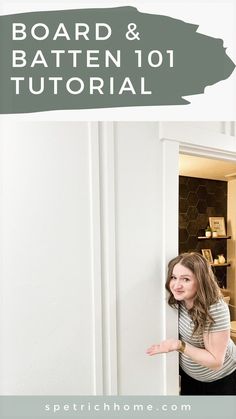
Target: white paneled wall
<point x="89" y="219"/>
<point x="47" y="277"/>
<point x="139" y="256"/>
<point x="81" y="259"/>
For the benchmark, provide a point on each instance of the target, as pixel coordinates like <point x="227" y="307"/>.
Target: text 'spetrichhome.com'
<point x="115" y="407"/>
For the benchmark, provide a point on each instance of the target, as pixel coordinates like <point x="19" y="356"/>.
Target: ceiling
<point x="206" y="168"/>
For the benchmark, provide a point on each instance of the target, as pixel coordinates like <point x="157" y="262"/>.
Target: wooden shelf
<point x="214" y="238"/>
<point x="219" y="265"/>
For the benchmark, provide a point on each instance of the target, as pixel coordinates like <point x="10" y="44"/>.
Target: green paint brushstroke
<point x="198" y="61"/>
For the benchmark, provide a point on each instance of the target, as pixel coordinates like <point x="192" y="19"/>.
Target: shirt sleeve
<point x="220" y="314"/>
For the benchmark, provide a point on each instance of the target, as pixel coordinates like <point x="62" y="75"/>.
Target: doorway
<point x="207" y="193"/>
<point x="192" y="139"/>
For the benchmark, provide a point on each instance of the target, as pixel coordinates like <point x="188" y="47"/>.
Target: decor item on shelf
<point x="221" y="259"/>
<point x="208" y="232"/>
<point x="216" y="261"/>
<point x="214" y="234"/>
<point x="218" y="224"/>
<point x="207" y="255"/>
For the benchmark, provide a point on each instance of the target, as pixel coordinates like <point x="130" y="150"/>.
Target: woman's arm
<point x="211" y="357"/>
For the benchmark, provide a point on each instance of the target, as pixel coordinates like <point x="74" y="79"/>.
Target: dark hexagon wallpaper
<point x="200" y="199"/>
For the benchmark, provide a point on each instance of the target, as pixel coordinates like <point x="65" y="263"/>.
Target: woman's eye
<point x="186" y="279"/>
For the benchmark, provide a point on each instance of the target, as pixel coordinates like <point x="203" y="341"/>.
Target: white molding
<point x="207" y="152"/>
<point x="108" y="243"/>
<point x="228" y="128"/>
<point x="95" y="258"/>
<point x="233" y="128"/>
<point x="215" y="144"/>
<point x="170" y="249"/>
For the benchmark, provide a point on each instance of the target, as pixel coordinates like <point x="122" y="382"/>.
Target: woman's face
<point x="183" y="285"/>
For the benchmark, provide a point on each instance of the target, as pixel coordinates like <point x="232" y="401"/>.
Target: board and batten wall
<point x="82" y="271"/>
<point x="89" y="219"/>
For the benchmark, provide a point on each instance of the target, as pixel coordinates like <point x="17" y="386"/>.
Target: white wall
<point x="46" y="278"/>
<point x="82" y="259"/>
<point x="139" y="257"/>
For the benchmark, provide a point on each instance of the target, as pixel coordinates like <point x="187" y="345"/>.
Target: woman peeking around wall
<point x="207" y="354"/>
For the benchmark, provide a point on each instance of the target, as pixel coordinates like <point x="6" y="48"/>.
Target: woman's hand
<point x="168" y="345"/>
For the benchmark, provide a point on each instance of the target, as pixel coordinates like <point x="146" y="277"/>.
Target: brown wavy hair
<point x="208" y="291"/>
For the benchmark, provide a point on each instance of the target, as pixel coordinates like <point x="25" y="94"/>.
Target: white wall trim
<point x="108" y="243"/>
<point x="194" y="140"/>
<point x="207" y="152"/>
<point x="93" y="144"/>
<point x="228" y="128"/>
<point x="170" y="250"/>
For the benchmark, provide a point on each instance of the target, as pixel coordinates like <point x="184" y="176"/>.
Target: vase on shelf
<point x="221" y="259"/>
<point x="208" y="232"/>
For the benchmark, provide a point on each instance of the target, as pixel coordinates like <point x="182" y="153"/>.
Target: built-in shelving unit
<point x="217" y="265"/>
<point x="214" y="238"/>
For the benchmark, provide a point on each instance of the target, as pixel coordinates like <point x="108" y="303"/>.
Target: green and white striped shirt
<point x="220" y="314"/>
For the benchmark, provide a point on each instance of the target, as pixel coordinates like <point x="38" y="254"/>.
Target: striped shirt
<point x="220" y="314"/>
